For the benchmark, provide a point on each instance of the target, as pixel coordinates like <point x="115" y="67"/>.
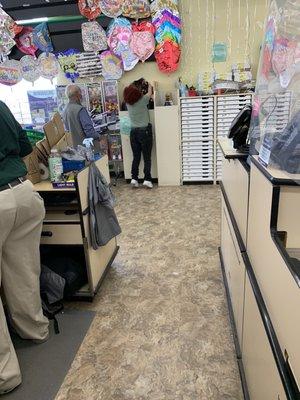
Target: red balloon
<point x="89" y="8"/>
<point x="24" y="41"/>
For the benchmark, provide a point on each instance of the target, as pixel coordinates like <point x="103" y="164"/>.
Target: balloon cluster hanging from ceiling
<point x="106" y="53"/>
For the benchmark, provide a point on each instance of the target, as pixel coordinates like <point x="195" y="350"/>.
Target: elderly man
<point x="76" y="118"/>
<point x="21" y="215"/>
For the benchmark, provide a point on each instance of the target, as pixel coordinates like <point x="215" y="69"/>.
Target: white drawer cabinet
<point x="203" y="120"/>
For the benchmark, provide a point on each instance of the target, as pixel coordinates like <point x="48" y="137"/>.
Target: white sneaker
<point x="148" y="184"/>
<point x="134" y="183"/>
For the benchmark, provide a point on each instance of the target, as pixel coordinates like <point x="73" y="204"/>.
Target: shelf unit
<point x="205" y="119"/>
<point x="227" y="108"/>
<point x="197" y="138"/>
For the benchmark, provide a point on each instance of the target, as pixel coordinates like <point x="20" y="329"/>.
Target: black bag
<point x="52" y="288"/>
<point x="285" y="148"/>
<point x="239" y="129"/>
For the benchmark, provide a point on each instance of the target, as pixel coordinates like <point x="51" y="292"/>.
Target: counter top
<point x="46" y="186"/>
<point x="228" y="150"/>
<point x="277" y="176"/>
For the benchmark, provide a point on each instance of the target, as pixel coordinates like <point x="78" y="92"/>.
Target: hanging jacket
<point x="103" y="222"/>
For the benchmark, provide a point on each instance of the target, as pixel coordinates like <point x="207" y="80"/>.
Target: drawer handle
<point x="47" y="234"/>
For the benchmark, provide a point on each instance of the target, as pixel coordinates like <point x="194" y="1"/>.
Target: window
<point x="31" y="104"/>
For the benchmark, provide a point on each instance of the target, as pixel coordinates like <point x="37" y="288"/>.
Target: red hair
<point x="132" y="94"/>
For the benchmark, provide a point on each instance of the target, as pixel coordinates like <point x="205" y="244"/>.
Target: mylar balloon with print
<point x="67" y="61"/>
<point x="41" y="38"/>
<point x="29" y="68"/>
<point x="25" y="42"/>
<point x="89" y="8"/>
<point x="10" y="72"/>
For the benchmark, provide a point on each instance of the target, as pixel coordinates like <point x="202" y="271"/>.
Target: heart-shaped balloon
<point x="30" y="68"/>
<point x="142" y="44"/>
<point x="10" y="72"/>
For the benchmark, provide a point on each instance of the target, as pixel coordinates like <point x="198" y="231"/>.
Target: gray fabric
<point x="72" y="122"/>
<point x="44" y="366"/>
<point x="104" y="224"/>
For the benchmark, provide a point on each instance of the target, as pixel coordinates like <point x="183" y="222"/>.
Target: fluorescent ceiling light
<point x="31" y="21"/>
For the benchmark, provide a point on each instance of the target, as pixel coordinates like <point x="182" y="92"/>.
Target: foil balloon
<point x="48" y="65"/>
<point x="117" y="22"/>
<point x="129" y="59"/>
<point x="112" y="67"/>
<point x="89" y="8"/>
<point x="41" y="38"/>
<point x="93" y="36"/>
<point x="29" y="68"/>
<point x="10" y="72"/>
<point x="67" y="61"/>
<point x="119" y="39"/>
<point x="25" y="43"/>
<point x="136" y="9"/>
<point x="142" y="44"/>
<point x="6" y="43"/>
<point x="111" y="8"/>
<point x="8" y="24"/>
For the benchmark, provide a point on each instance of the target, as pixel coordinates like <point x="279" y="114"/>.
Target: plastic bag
<point x="41" y="38"/>
<point x="125" y="125"/>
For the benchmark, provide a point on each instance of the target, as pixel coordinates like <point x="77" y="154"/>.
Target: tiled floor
<point x="162" y="330"/>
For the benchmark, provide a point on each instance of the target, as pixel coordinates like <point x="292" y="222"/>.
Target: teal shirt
<point x="14" y="145"/>
<point x="139" y="113"/>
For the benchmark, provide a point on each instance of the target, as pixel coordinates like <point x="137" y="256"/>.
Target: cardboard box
<point x="32" y="163"/>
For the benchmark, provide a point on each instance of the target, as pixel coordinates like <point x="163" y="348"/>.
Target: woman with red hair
<point x="141" y="132"/>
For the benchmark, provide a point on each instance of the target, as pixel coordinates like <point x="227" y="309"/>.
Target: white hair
<point x="72" y="91"/>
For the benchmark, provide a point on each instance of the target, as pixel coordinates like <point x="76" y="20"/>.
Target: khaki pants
<point x="21" y="215"/>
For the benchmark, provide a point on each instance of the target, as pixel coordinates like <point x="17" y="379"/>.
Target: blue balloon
<point x="41" y="38"/>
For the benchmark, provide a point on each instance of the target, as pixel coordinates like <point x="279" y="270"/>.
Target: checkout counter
<point x="66" y="229"/>
<point x="260" y="242"/>
<point x="66" y="226"/>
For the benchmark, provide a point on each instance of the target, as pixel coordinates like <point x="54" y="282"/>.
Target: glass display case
<point x="275" y="125"/>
